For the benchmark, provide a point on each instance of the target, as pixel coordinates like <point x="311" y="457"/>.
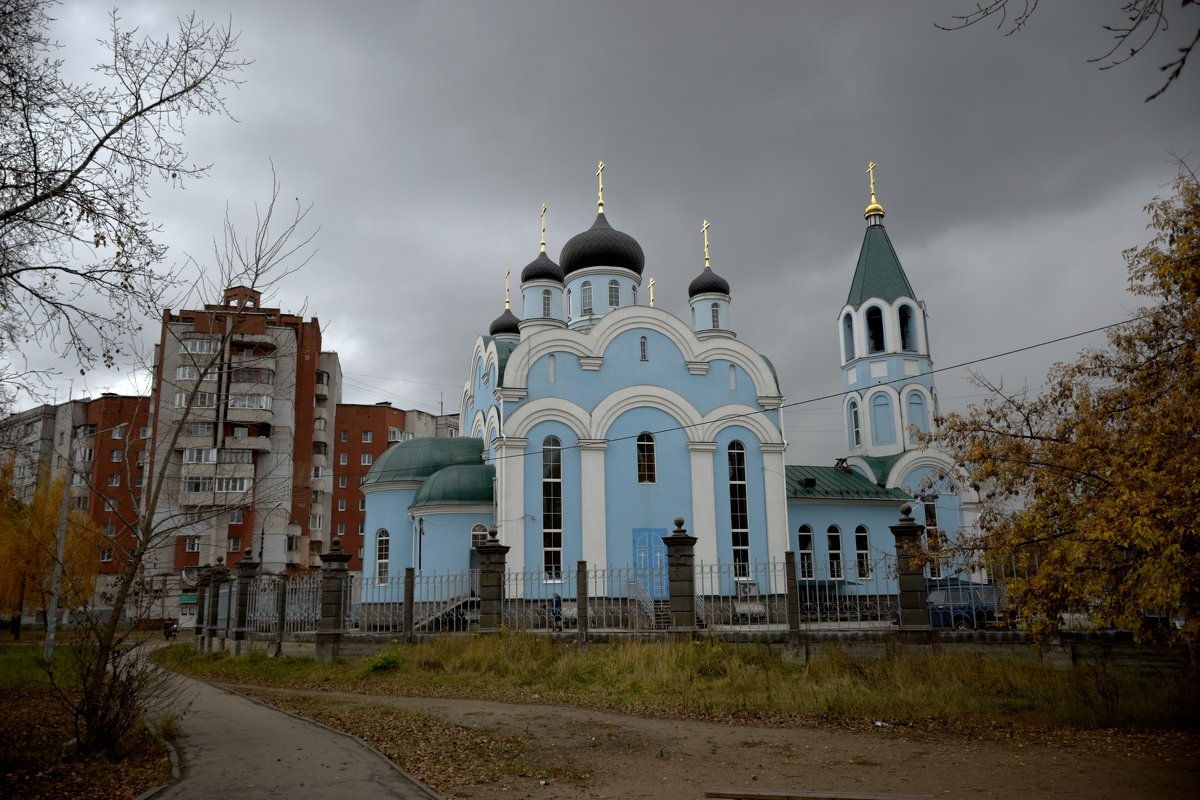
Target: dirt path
<point x="634" y="757"/>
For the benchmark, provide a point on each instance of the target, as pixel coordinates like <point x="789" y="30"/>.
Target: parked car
<point x="968" y="606"/>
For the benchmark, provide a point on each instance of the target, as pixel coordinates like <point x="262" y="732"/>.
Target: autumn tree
<point x="1092" y="486"/>
<point x="79" y="257"/>
<point x="1140" y="22"/>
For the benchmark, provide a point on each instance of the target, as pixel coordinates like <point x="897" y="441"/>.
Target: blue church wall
<point x="755" y="497"/>
<point x="883" y="428"/>
<point x="876" y="517"/>
<point x="630" y="504"/>
<point x="572" y="521"/>
<point x="947" y="506"/>
<point x="446" y="545"/>
<point x="387" y="510"/>
<point x="861" y="370"/>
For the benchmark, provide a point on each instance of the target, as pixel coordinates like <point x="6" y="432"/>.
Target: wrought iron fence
<point x="302" y="604"/>
<point x="262" y="604"/>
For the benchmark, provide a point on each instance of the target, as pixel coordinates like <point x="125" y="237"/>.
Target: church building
<point x="594" y="419"/>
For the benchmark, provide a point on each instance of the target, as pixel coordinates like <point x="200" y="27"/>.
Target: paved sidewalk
<point x="232" y="747"/>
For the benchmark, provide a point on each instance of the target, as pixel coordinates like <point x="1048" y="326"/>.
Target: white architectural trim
<point x="704" y="510"/>
<point x="592" y="502"/>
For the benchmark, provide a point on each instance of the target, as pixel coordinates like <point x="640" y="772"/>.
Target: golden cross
<point x="600" y="197"/>
<point x="871" y="173"/>
<point x="543" y="227"/>
<point x="507" y="272"/>
<point x="652" y="292"/>
<point x="704" y="230"/>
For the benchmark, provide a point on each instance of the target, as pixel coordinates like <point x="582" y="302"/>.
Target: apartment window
<point x="201" y="399"/>
<point x="804" y="552"/>
<point x="235" y="457"/>
<point x="106" y="555"/>
<point x="614" y="294"/>
<point x="362" y="479"/>
<point x="862" y="551"/>
<point x="645" y="458"/>
<point x="342" y="481"/>
<point x="293" y="543"/>
<point x="224" y="484"/>
<point x="78" y="479"/>
<point x="360" y="529"/>
<point x="261" y="402"/>
<point x="585" y="298"/>
<point x="318" y="497"/>
<point x="139" y="481"/>
<point x="110" y="505"/>
<point x="110" y="530"/>
<point x="235" y="544"/>
<point x="116" y="456"/>
<point x="118" y="432"/>
<point x="362" y="504"/>
<point x="341" y="529"/>
<point x="80" y="503"/>
<point x="200" y="429"/>
<point x="366" y="459"/>
<point x="251" y="375"/>
<point x="319" y="424"/>
<point x="833" y="538"/>
<point x="318" y="472"/>
<point x="316" y="521"/>
<point x="114" y="479"/>
<point x="202" y="345"/>
<point x="200" y="455"/>
<point x="141" y="458"/>
<point x="341" y="504"/>
<point x="188" y="372"/>
<point x="237" y="516"/>
<point x="552" y="503"/>
<point x="345" y="436"/>
<point x="383" y="545"/>
<point x="144" y="432"/>
<point x="343" y="459"/>
<point x="84" y="453"/>
<point x="191" y="544"/>
<point x="196" y="483"/>
<point x="368" y="437"/>
<point x="739" y="510"/>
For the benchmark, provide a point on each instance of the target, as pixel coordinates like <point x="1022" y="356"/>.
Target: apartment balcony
<point x="251" y="387"/>
<point x="251" y="415"/>
<point x="322" y="391"/>
<point x="321" y="435"/>
<point x="253" y="361"/>
<point x="211" y="499"/>
<point x="320" y="460"/>
<point x="185" y="442"/>
<point x="259" y="444"/>
<point x="262" y="340"/>
<point x="217" y="471"/>
<point x="320" y="412"/>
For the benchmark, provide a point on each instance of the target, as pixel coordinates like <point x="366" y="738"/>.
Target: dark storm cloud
<point x="428" y="135"/>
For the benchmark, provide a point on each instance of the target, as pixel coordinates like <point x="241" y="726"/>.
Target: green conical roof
<point x="417" y="459"/>
<point x="878" y="273"/>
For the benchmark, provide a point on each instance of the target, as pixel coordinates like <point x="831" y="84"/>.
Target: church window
<point x="716" y="316"/>
<point x="383" y="545"/>
<point x="645" y="458"/>
<point x="585" y="298"/>
<point x="883" y="429"/>
<point x="642" y="347"/>
<point x="855" y="425"/>
<point x="635" y="295"/>
<point x="833" y="537"/>
<point x="479" y="533"/>
<point x="614" y="294"/>
<point x="550" y="369"/>
<point x="739" y="510"/>
<point x="804" y="552"/>
<point x="862" y="551"/>
<point x="552" y="503"/>
<point x="546" y="297"/>
<point x="908" y="332"/>
<point x="918" y="419"/>
<point x="874" y="330"/>
<point x="732" y="376"/>
<point x="847" y="337"/>
<point x="568" y="305"/>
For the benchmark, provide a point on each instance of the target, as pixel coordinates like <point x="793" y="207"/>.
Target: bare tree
<point x="79" y="258"/>
<point x="108" y="682"/>
<point x="1143" y="20"/>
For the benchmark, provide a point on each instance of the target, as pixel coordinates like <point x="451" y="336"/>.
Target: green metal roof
<point x="882" y="465"/>
<point x="832" y="483"/>
<point x="417" y="459"/>
<point x="878" y="273"/>
<point x="504" y="349"/>
<point x="458" y="486"/>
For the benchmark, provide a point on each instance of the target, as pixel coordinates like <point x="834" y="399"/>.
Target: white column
<point x="775" y="489"/>
<point x="703" y="524"/>
<point x="591" y="490"/>
<point x="510" y="499"/>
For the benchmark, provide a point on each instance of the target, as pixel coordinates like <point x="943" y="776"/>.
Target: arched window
<point x="918" y="417"/>
<point x="908" y="329"/>
<point x="614" y="294"/>
<point x="804" y="552"/>
<point x="833" y="538"/>
<point x="732" y="376"/>
<point x="551" y="369"/>
<point x="635" y="295"/>
<point x="568" y="305"/>
<point x="847" y="337"/>
<point x="874" y="330"/>
<point x="642" y="347"/>
<point x="716" y="315"/>
<point x="383" y="546"/>
<point x="585" y="299"/>
<point x="862" y="551"/>
<point x="854" y="424"/>
<point x="552" y="505"/>
<point x="739" y="510"/>
<point x="546" y="299"/>
<point x="479" y="533"/>
<point x="645" y="458"/>
<point x="883" y="428"/>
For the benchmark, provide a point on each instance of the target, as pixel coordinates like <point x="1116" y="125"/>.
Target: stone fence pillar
<point x="247" y="568"/>
<point x="914" y="613"/>
<point x="218" y="577"/>
<point x="793" y="596"/>
<point x="491" y="581"/>
<point x="202" y="588"/>
<point x="334" y="576"/>
<point x="581" y="601"/>
<point x="410" y="598"/>
<point x="681" y="575"/>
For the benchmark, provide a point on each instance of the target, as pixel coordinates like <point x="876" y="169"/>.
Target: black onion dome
<point x="706" y="282"/>
<point x="542" y="269"/>
<point x="602" y="246"/>
<point x="505" y="323"/>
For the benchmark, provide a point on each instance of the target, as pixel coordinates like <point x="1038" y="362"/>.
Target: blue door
<point x="650" y="561"/>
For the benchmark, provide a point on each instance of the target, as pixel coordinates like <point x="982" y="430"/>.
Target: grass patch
<point x="725" y="682"/>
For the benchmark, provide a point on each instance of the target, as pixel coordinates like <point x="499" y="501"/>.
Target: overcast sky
<point x="427" y="136"/>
